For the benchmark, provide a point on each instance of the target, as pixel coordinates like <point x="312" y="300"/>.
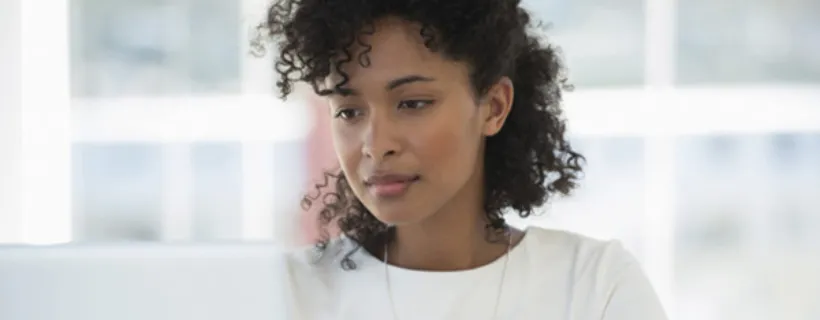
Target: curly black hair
<point x="526" y="163"/>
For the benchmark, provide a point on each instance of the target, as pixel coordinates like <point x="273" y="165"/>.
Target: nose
<point x="381" y="139"/>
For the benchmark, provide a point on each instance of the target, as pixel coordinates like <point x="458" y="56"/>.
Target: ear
<point x="498" y="101"/>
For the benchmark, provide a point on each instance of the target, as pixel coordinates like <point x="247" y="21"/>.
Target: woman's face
<point x="409" y="134"/>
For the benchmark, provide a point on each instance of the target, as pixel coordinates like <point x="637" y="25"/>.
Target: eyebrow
<point x="395" y="83"/>
<point x="391" y="85"/>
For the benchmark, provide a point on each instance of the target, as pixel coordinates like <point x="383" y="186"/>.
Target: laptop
<point x="141" y="282"/>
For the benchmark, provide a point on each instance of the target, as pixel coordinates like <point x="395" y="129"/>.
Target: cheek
<point x="439" y="145"/>
<point x="449" y="147"/>
<point x="347" y="151"/>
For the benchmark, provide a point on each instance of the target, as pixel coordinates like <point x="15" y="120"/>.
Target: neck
<point x="455" y="238"/>
<point x="442" y="247"/>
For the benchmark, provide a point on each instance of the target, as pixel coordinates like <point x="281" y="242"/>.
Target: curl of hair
<point x="528" y="162"/>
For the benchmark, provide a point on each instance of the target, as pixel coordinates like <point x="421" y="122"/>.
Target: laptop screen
<point x="141" y="282"/>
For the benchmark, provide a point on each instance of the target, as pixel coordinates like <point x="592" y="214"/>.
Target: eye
<point x="414" y="104"/>
<point x="347" y="113"/>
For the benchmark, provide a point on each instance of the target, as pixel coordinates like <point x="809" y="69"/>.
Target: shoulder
<point x="607" y="280"/>
<point x="585" y="253"/>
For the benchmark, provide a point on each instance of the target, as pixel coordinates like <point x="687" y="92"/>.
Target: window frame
<point x="38" y="145"/>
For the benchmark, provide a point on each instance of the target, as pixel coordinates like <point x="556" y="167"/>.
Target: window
<point x="602" y="42"/>
<point x="759" y="41"/>
<point x="739" y="214"/>
<point x="155" y="47"/>
<point x="118" y="149"/>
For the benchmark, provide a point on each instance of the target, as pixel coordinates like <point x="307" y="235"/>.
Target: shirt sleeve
<point x="631" y="296"/>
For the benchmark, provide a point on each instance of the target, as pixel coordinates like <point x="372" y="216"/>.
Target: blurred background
<point x="148" y="121"/>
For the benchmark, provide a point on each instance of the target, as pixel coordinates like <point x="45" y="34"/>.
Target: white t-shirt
<point x="550" y="275"/>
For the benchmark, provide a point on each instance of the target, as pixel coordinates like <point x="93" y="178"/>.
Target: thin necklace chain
<point x="500" y="283"/>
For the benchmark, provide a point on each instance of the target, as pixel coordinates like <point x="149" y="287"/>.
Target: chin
<point x="397" y="217"/>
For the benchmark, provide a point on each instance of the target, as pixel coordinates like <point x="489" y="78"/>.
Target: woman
<point x="446" y="115"/>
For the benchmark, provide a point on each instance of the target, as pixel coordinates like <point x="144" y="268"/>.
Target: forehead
<point x="395" y="49"/>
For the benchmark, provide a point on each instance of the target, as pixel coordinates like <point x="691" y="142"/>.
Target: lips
<point x="390" y="185"/>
